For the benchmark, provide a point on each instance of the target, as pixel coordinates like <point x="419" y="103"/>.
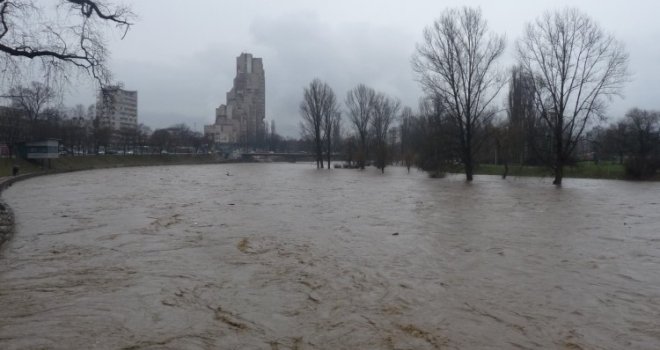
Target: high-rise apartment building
<point x="241" y="120"/>
<point x="116" y="108"/>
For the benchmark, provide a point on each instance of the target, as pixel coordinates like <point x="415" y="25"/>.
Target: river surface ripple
<point x="282" y="256"/>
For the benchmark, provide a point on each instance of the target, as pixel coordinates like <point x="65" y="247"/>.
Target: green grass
<point x="586" y="170"/>
<point x="70" y="163"/>
<point x="602" y="170"/>
<point x="25" y="167"/>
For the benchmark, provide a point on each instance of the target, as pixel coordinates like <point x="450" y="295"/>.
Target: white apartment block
<point x="116" y="108"/>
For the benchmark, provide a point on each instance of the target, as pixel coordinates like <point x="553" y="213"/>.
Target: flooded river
<point x="282" y="256"/>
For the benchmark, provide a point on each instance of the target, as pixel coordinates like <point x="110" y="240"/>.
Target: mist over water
<point x="283" y="256"/>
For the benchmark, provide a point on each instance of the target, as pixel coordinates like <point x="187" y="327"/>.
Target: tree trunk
<point x="559" y="174"/>
<point x="329" y="151"/>
<point x="319" y="152"/>
<point x="559" y="160"/>
<point x="469" y="167"/>
<point x="363" y="145"/>
<point x="469" y="173"/>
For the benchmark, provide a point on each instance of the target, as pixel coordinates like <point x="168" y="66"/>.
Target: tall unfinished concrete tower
<point x="241" y="120"/>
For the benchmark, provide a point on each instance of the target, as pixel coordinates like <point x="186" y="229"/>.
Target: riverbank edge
<point x="584" y="170"/>
<point x="6" y="214"/>
<point x="7" y="220"/>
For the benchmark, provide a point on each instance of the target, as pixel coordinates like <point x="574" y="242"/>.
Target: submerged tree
<point x="576" y="68"/>
<point x="642" y="143"/>
<point x="406" y="130"/>
<point x="68" y="33"/>
<point x="521" y="113"/>
<point x="360" y="103"/>
<point x="432" y="138"/>
<point x="319" y="104"/>
<point x="384" y="111"/>
<point x="456" y="64"/>
<point x="331" y="121"/>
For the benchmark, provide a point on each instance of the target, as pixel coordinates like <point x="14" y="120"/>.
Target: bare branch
<point x="360" y="103"/>
<point x="456" y="64"/>
<point x="576" y="68"/>
<point x="30" y="31"/>
<point x="318" y="110"/>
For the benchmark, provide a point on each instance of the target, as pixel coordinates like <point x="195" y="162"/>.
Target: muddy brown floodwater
<point x="282" y="256"/>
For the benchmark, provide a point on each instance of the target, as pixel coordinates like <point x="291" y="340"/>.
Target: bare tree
<point x="101" y="134"/>
<point x="385" y="110"/>
<point x="642" y="142"/>
<point x="576" y="68"/>
<point x="91" y="112"/>
<point x="59" y="34"/>
<point x="521" y="113"/>
<point x="456" y="64"/>
<point x="75" y="130"/>
<point x="337" y="132"/>
<point x="614" y="141"/>
<point x="78" y="112"/>
<point x="162" y="139"/>
<point x="319" y="104"/>
<point x="360" y="104"/>
<point x="12" y="126"/>
<point x="349" y="147"/>
<point x="331" y="120"/>
<point x="433" y="137"/>
<point x="32" y="99"/>
<point x="407" y="151"/>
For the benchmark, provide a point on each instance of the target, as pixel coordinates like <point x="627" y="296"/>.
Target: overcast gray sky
<point x="180" y="55"/>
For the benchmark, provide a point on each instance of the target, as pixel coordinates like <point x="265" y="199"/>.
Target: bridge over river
<point x="287" y="157"/>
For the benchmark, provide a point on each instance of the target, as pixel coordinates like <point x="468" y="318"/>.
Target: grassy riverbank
<point x="583" y="170"/>
<point x="586" y="170"/>
<point x="65" y="164"/>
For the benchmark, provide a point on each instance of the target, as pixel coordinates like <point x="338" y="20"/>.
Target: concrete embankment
<point x="68" y="163"/>
<point x="6" y="223"/>
<point x="6" y="215"/>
